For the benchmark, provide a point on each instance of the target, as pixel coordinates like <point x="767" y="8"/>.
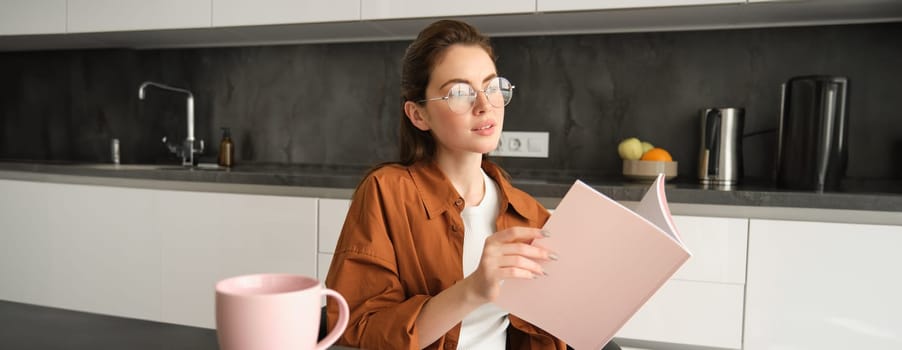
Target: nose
<point x="481" y="105"/>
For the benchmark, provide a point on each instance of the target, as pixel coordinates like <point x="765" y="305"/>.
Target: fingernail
<point x="546" y="233"/>
<point x="553" y="256"/>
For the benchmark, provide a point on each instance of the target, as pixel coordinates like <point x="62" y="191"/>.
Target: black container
<point x="812" y="149"/>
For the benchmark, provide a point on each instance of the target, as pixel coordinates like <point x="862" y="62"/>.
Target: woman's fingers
<point x="509" y="254"/>
<point x="518" y="234"/>
<point x="513" y="272"/>
<point x="518" y="241"/>
<point x="521" y="263"/>
<point x="528" y="250"/>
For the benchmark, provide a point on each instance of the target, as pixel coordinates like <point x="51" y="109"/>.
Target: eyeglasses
<point x="462" y="97"/>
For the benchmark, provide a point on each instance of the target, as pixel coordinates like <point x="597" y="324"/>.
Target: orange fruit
<point x="657" y="154"/>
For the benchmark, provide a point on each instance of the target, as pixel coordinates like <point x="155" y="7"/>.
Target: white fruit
<point x="630" y="148"/>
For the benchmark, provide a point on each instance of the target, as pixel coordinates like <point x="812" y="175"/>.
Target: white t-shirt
<point x="485" y="327"/>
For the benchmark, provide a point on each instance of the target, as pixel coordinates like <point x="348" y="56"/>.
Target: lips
<point x="484" y="126"/>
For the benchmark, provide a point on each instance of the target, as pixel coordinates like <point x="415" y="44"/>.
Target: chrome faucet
<point x="187" y="149"/>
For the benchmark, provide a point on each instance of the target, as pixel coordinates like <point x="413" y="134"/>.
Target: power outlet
<point x="522" y="144"/>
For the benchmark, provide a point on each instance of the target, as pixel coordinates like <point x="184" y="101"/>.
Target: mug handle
<point x="343" y="314"/>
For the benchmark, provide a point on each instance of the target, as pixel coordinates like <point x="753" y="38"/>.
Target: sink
<point x="128" y="167"/>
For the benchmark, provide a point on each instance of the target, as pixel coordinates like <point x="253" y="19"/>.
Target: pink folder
<point x="612" y="260"/>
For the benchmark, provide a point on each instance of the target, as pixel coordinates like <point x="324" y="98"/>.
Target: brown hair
<point x="416" y="68"/>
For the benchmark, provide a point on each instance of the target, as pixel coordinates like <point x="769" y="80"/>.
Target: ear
<point x="417" y="115"/>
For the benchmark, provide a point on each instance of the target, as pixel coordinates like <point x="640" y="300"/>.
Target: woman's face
<point x="474" y="131"/>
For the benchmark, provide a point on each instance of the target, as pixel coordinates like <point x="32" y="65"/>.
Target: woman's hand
<point x="508" y="254"/>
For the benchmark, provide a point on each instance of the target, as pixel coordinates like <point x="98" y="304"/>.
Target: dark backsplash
<point x="338" y="103"/>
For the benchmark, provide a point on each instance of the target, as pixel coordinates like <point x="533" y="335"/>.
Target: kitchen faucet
<point x="187" y="149"/>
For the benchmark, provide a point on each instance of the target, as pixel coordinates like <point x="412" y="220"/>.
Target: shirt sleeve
<point x="365" y="271"/>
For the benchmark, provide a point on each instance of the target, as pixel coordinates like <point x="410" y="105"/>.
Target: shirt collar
<point x="438" y="194"/>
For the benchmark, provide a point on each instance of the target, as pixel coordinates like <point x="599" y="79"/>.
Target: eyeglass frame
<point x="473" y="104"/>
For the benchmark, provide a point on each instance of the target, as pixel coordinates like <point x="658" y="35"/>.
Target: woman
<point x="429" y="240"/>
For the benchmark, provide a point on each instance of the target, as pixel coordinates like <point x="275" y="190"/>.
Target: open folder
<point x="611" y="261"/>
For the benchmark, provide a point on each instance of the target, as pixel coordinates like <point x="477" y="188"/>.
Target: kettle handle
<point x="712" y="136"/>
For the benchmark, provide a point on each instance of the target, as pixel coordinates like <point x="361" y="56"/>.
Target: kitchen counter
<point x="28" y="326"/>
<point x="336" y="181"/>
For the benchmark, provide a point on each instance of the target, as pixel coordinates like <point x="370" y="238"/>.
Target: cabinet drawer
<point x="332" y="213"/>
<point x="820" y="285"/>
<point x="692" y="313"/>
<point x="24" y="17"/>
<point x="390" y="9"/>
<point x="718" y="247"/>
<point x="265" y="12"/>
<point x="121" y="15"/>
<point x="583" y="5"/>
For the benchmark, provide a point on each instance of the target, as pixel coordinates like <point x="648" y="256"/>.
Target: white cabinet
<point x="105" y="251"/>
<point x="124" y="15"/>
<point x="21" y="17"/>
<point x="583" y="5"/>
<point x="141" y="253"/>
<point x="818" y="285"/>
<point x="210" y="236"/>
<point x="393" y="9"/>
<point x="243" y="12"/>
<point x="718" y="247"/>
<point x="332" y="213"/>
<point x="24" y="239"/>
<point x="87" y="248"/>
<point x="702" y="304"/>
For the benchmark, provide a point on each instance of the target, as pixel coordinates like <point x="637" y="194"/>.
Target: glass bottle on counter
<point x="226" y="149"/>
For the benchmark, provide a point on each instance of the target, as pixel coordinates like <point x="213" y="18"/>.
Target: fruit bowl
<point x="648" y="170"/>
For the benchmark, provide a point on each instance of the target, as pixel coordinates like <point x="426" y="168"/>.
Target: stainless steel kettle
<point x="720" y="154"/>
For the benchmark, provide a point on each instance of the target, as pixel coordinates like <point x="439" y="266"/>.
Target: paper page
<point x="653" y="207"/>
<point x="611" y="261"/>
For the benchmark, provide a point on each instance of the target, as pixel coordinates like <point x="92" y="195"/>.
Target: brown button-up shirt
<point x="402" y="243"/>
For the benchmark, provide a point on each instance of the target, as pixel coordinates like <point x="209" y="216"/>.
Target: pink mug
<point x="272" y="312"/>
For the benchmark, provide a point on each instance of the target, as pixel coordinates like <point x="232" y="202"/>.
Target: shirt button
<point x="459" y="202"/>
<point x="454" y="228"/>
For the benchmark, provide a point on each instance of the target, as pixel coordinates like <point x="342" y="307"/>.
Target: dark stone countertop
<point x="875" y="195"/>
<point x="27" y="326"/>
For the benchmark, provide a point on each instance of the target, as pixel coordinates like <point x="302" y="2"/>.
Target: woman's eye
<point x="459" y="91"/>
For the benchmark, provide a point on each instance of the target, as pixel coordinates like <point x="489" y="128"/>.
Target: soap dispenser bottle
<point x="226" y="149"/>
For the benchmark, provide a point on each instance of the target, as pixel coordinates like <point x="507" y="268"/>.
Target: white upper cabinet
<point x="189" y="23"/>
<point x="583" y="5"/>
<point x="123" y="15"/>
<point x="243" y="12"/>
<point x="20" y="17"/>
<point x="392" y="9"/>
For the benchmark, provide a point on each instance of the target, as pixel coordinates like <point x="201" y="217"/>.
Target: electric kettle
<point x="812" y="148"/>
<point x="720" y="154"/>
